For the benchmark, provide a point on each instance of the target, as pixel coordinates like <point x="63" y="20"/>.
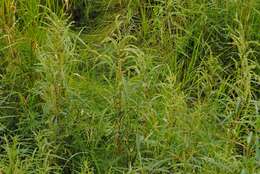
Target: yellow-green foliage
<point x="130" y="86"/>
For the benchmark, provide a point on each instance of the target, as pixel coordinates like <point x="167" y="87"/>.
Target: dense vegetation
<point x="130" y="86"/>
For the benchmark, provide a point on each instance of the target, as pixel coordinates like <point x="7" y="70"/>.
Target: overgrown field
<point x="130" y="86"/>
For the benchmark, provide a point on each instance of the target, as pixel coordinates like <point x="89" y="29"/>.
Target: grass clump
<point x="129" y="86"/>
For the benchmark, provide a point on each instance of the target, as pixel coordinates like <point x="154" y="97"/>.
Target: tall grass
<point x="129" y="86"/>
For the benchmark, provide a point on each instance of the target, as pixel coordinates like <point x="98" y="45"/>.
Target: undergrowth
<point x="130" y="86"/>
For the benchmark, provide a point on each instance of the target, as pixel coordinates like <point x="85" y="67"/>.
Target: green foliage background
<point x="130" y="86"/>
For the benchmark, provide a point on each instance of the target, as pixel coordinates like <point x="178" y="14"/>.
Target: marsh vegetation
<point x="130" y="86"/>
